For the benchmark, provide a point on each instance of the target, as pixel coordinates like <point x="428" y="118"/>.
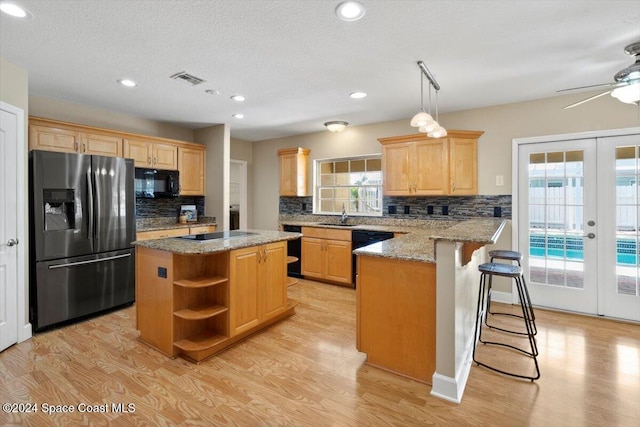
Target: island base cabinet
<point x="396" y="315"/>
<point x="258" y="278"/>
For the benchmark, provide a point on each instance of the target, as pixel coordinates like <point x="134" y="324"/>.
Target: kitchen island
<point x="196" y="296"/>
<point x="415" y="303"/>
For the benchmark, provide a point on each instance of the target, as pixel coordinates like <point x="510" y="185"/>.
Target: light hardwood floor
<point x="305" y="371"/>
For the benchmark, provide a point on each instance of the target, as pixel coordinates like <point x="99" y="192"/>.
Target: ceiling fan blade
<point x="575" y="104"/>
<point x="587" y="87"/>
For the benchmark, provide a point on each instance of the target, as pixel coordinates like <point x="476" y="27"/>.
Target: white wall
<point x="14" y="90"/>
<point x="66" y="111"/>
<point x="217" y="140"/>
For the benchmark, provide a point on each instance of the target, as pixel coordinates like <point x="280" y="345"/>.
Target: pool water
<point x="571" y="248"/>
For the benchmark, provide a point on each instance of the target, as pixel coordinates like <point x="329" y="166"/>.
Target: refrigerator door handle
<point x="91" y="261"/>
<point x="90" y="206"/>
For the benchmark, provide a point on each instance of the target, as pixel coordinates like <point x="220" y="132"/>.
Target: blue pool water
<point x="571" y="247"/>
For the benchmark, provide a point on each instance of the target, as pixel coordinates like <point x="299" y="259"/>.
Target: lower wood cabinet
<point x="326" y="254"/>
<point x="258" y="278"/>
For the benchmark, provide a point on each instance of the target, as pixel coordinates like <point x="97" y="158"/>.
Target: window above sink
<point x="352" y="182"/>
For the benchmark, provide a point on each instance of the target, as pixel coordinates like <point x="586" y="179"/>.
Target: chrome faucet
<point x="343" y="218"/>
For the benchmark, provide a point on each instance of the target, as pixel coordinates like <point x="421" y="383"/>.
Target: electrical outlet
<point x="499" y="180"/>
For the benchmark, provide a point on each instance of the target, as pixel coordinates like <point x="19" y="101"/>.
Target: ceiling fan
<point x="627" y="82"/>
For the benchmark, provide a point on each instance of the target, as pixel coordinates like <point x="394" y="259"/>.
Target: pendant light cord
<point x="422" y="92"/>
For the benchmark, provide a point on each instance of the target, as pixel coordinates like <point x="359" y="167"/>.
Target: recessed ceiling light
<point x="350" y="11"/>
<point x="357" y="95"/>
<point x="238" y="116"/>
<point x="13" y="10"/>
<point x="238" y="98"/>
<point x="212" y="91"/>
<point x="127" y="82"/>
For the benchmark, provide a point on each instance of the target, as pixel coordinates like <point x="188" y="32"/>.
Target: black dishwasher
<point x="293" y="249"/>
<point x="361" y="238"/>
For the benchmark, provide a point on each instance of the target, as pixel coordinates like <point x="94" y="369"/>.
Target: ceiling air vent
<point x="183" y="76"/>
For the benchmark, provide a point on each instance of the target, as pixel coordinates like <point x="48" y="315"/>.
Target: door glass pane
<point x="556" y="218"/>
<point x="627" y="220"/>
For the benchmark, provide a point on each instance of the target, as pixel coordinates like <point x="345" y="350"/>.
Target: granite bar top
<point x="167" y="223"/>
<point x="191" y="247"/>
<point x="418" y="244"/>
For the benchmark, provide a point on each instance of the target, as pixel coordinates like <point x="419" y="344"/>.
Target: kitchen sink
<point x="338" y="225"/>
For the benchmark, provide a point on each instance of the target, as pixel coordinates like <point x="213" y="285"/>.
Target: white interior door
<point x="557" y="223"/>
<point x="8" y="229"/>
<point x="619" y="213"/>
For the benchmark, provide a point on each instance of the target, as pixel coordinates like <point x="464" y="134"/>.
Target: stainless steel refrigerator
<point x="82" y="223"/>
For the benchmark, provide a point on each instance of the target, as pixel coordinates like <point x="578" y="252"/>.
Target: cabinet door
<point x="244" y="308"/>
<point x="288" y="175"/>
<point x="52" y="139"/>
<point x="273" y="275"/>
<point x="312" y="252"/>
<point x="430" y="171"/>
<point x="191" y="168"/>
<point x="337" y="261"/>
<point x="463" y="163"/>
<point x="396" y="169"/>
<point x="101" y="145"/>
<point x="165" y="156"/>
<point x="139" y="151"/>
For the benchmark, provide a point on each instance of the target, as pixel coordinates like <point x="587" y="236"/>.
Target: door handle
<point x="12" y="242"/>
<point x="590" y="236"/>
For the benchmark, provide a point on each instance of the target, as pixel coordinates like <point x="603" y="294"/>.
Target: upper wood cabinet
<point x="148" y="154"/>
<point x="294" y="167"/>
<point x="51" y="136"/>
<point x="191" y="165"/>
<point x="416" y="165"/>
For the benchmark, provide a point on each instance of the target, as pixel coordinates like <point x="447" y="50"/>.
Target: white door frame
<point x="516" y="143"/>
<point x="24" y="327"/>
<point x="242" y="192"/>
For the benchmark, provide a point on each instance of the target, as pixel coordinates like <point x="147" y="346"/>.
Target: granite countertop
<point x="418" y="244"/>
<point x="168" y="223"/>
<point x="192" y="247"/>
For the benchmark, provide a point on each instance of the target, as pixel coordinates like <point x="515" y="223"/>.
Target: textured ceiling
<point x="296" y="63"/>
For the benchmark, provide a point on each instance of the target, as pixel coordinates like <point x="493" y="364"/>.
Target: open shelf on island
<point x="291" y="281"/>
<point x="291" y="259"/>
<point x="200" y="342"/>
<point x="200" y="282"/>
<point x="201" y="312"/>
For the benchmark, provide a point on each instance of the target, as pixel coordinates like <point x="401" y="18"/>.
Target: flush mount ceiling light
<point x="238" y="98"/>
<point x="357" y="95"/>
<point x="13" y="10"/>
<point x="423" y="120"/>
<point x="127" y="82"/>
<point x="238" y="116"/>
<point x="336" y="126"/>
<point x="350" y="11"/>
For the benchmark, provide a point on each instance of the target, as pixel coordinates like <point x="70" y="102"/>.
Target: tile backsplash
<point x="167" y="207"/>
<point x="432" y="207"/>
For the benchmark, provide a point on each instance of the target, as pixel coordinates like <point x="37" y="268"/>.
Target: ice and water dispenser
<point x="59" y="209"/>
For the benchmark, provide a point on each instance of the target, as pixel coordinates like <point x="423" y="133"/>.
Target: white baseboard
<point x="505" y="297"/>
<point x="452" y="389"/>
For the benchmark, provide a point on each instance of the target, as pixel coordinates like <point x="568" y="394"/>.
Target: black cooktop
<point x="217" y="235"/>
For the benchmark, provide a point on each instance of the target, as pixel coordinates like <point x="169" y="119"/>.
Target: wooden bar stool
<point x="514" y="272"/>
<point x="510" y="256"/>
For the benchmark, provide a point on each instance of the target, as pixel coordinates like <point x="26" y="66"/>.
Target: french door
<point x="578" y="223"/>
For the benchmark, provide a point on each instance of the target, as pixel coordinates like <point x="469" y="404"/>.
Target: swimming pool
<point x="571" y="248"/>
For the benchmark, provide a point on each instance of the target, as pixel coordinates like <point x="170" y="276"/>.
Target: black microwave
<point x="155" y="183"/>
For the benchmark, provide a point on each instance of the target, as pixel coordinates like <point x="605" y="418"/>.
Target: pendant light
<point x="424" y="121"/>
<point x="422" y="118"/>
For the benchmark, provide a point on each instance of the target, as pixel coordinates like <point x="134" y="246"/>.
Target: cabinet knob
<point x="148" y="160"/>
